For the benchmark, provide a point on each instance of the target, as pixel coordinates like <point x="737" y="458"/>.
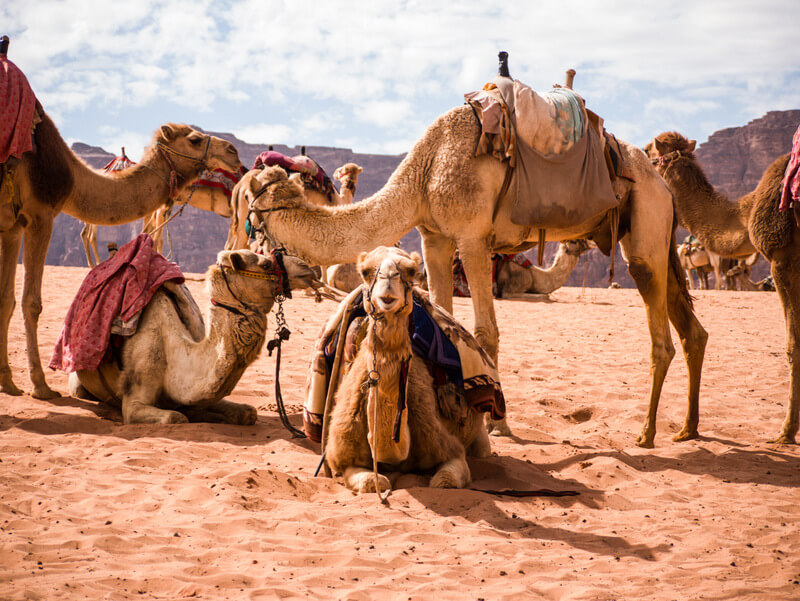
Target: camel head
<point x="245" y="278"/>
<point x="737" y="270"/>
<point x="347" y="174"/>
<point x="191" y="151"/>
<point x="668" y="146"/>
<point x="389" y="273"/>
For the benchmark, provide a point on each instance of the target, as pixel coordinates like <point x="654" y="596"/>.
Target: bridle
<point x="666" y="161"/>
<point x="278" y="275"/>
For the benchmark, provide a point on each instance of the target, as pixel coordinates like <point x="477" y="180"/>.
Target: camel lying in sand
<point x="364" y="424"/>
<point x="168" y="364"/>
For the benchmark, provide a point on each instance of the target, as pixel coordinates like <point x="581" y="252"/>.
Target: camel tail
<point x="675" y="264"/>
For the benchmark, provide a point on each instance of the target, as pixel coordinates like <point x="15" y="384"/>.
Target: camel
<point x="201" y="197"/>
<point x="695" y="259"/>
<point x="346" y="175"/>
<point x="51" y="179"/>
<point x="753" y="223"/>
<point x="451" y="196"/>
<point x="364" y="430"/>
<point x="740" y="273"/>
<point x="169" y="365"/>
<point x="514" y="278"/>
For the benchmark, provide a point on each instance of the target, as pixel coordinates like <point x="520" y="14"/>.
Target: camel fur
<point x="513" y="278"/>
<point x="738" y="229"/>
<point x="429" y="441"/>
<point x="451" y="196"/>
<point x="51" y="179"/>
<point x="166" y="366"/>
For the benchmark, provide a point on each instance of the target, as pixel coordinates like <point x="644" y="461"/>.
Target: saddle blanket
<point x="461" y="368"/>
<point x="560" y="174"/>
<point x="17" y="111"/>
<point x="790" y="190"/>
<point x="314" y="176"/>
<point x="117" y="289"/>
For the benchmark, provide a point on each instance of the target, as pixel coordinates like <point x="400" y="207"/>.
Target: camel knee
<point x="452" y="474"/>
<point x="489" y="338"/>
<point x="641" y="273"/>
<point x="32" y="308"/>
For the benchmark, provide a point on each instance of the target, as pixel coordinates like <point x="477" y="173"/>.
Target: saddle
<point x="561" y="161"/>
<point x="313" y="176"/>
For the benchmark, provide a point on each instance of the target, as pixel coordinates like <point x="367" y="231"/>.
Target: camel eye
<point x="366" y="274"/>
<point x="195" y="139"/>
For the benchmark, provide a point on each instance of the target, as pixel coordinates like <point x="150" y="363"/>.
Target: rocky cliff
<point x="733" y="158"/>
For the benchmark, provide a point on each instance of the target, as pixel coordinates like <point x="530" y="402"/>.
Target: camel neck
<point x="715" y="221"/>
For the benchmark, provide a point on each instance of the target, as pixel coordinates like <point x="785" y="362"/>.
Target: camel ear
<point x="691" y="145"/>
<point x="661" y="147"/>
<point x="237" y="261"/>
<point x="168" y="132"/>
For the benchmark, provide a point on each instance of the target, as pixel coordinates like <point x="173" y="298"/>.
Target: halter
<point x="172" y="182"/>
<point x="279" y="275"/>
<point x="667" y="160"/>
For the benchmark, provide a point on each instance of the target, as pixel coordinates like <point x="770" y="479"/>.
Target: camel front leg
<point x="10" y="242"/>
<point x="786" y="274"/>
<point x="437" y="251"/>
<point x="359" y="479"/>
<point x="37" y="239"/>
<point x="477" y="261"/>
<point x="240" y="414"/>
<point x="452" y="474"/>
<point x="89" y="239"/>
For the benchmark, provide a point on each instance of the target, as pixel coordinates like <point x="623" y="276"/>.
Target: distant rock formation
<point x="734" y="159"/>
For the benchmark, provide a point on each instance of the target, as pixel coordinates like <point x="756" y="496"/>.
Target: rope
<point x="281" y="333"/>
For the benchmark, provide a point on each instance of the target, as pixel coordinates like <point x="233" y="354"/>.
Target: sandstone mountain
<point x="733" y="158"/>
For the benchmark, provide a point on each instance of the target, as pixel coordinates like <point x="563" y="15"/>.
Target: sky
<point x="371" y="76"/>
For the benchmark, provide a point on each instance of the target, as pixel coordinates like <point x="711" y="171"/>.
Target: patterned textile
<point x="117" y="288"/>
<point x="314" y="176"/>
<point x="17" y="111"/>
<point x="220" y="179"/>
<point x="459" y="364"/>
<point x="119" y="163"/>
<point x="790" y="192"/>
<point x="460" y="284"/>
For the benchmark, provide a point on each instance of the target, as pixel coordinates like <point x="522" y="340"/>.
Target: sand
<point x="93" y="509"/>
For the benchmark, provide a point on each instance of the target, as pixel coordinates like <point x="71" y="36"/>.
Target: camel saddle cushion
<point x="462" y="371"/>
<point x="314" y="176"/>
<point x="116" y="290"/>
<point x="790" y="188"/>
<point x="561" y="176"/>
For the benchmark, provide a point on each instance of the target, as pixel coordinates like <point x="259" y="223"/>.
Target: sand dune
<point x="90" y="508"/>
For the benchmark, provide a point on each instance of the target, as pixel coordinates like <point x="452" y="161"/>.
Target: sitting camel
<point x="514" y="278"/>
<point x="169" y="364"/>
<point x="368" y="428"/>
<point x="753" y="223"/>
<point x="740" y="273"/>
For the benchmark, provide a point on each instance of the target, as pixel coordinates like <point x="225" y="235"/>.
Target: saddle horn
<point x="4" y="42"/>
<point x="303" y="150"/>
<point x="503" y="67"/>
<point x="570" y="78"/>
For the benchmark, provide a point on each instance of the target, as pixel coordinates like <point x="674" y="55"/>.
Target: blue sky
<point x="373" y="75"/>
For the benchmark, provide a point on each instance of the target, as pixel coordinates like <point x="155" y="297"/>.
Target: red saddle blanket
<point x="314" y="176"/>
<point x="117" y="288"/>
<point x="790" y="192"/>
<point x="17" y="111"/>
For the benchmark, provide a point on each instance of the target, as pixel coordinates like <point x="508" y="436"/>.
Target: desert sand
<point x="93" y="509"/>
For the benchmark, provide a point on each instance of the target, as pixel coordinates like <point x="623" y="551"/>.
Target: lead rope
<point x="282" y="333"/>
<point x="373" y="377"/>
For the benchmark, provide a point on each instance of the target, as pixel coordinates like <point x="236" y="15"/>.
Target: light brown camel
<point x="513" y="278"/>
<point x="52" y="179"/>
<point x="167" y="365"/>
<point x="740" y="273"/>
<point x="451" y="196"/>
<point x="703" y="261"/>
<point x="346" y="175"/>
<point x="363" y="420"/>
<point x="201" y="197"/>
<point x="737" y="229"/>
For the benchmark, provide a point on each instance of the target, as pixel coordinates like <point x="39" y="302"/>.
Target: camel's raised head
<point x="348" y="171"/>
<point x="389" y="273"/>
<point x="189" y="150"/>
<point x="271" y="186"/>
<point x="667" y="142"/>
<point x="254" y="279"/>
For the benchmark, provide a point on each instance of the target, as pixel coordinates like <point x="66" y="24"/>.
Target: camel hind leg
<point x="240" y="414"/>
<point x="693" y="340"/>
<point x="786" y="274"/>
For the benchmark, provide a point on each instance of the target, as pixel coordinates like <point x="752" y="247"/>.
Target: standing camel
<point x="51" y="179"/>
<point x="452" y="197"/>
<point x="737" y="230"/>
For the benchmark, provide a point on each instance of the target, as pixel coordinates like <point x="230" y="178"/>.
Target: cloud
<point x="370" y="67"/>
